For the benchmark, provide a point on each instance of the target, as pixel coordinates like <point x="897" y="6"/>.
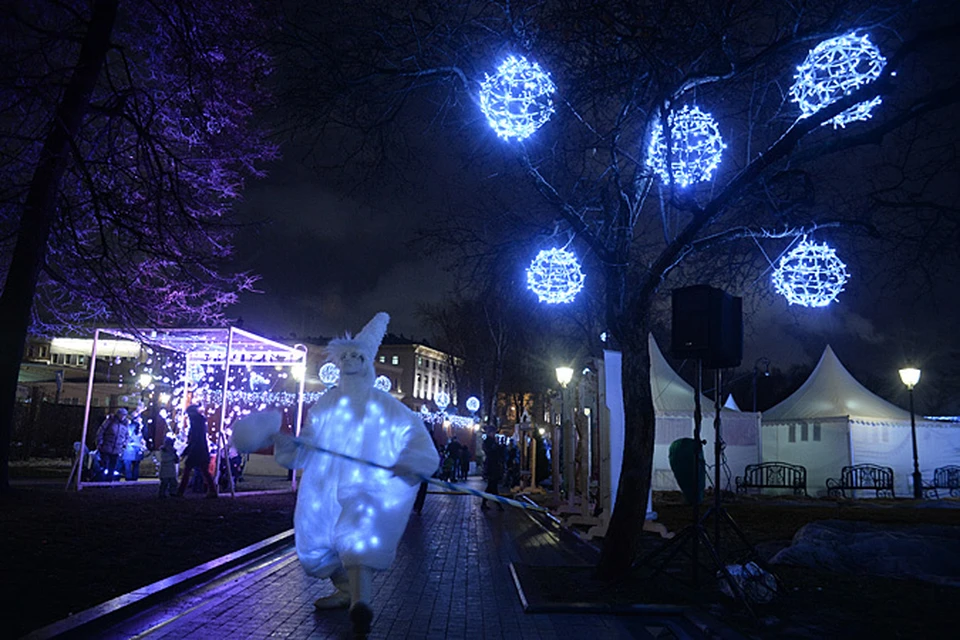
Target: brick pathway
<point x="451" y="579"/>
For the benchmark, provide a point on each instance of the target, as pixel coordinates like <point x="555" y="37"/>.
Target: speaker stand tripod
<point x="696" y="533"/>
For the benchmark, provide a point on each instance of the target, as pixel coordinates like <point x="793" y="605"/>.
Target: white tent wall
<point x="822" y="446"/>
<point x="891" y="445"/>
<point x="740" y="433"/>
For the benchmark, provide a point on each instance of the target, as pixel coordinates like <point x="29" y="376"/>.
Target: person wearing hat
<point x="350" y="516"/>
<point x="197" y="453"/>
<point x="111" y="441"/>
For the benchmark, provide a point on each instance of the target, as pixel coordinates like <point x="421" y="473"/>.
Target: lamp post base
<point x="917" y="485"/>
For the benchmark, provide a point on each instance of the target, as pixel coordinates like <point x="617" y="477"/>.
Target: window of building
<point x="395" y="360"/>
<point x="55" y="358"/>
<point x="804" y="436"/>
<point x="816" y="432"/>
<point x="383" y="359"/>
<point x="792" y="433"/>
<point x="419" y="361"/>
<point x="81" y="360"/>
<point x="68" y="358"/>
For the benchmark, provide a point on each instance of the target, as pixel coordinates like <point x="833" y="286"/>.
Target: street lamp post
<point x="564" y="376"/>
<point x="766" y="372"/>
<point x="910" y="377"/>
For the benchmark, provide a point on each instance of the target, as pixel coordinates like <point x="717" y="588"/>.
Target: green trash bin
<point x="686" y="456"/>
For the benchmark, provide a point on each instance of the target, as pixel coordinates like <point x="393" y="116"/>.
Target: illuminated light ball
<point x="517" y="99"/>
<point x="383" y="383"/>
<point x="329" y="374"/>
<point x="810" y="275"/>
<point x="555" y="276"/>
<point x="833" y="69"/>
<point x="442" y="400"/>
<point x="696" y="147"/>
<point x="473" y="404"/>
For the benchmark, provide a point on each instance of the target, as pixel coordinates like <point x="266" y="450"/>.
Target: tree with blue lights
<point x="127" y="135"/>
<point x="662" y="139"/>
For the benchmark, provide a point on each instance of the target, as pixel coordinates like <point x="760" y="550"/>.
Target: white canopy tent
<point x="673" y="402"/>
<point x="833" y="421"/>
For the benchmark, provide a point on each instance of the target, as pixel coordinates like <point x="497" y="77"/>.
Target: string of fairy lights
<point x="517" y="101"/>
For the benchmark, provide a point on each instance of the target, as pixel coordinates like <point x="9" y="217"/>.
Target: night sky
<point x="334" y="248"/>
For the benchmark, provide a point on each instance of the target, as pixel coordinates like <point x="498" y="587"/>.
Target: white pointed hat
<point x="367" y="341"/>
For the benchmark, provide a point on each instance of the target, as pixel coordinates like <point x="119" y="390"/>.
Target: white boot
<point x="339" y="599"/>
<point x="361" y="587"/>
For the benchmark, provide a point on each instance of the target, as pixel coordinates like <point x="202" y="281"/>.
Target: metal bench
<point x="947" y="478"/>
<point x="773" y="475"/>
<point x="862" y="477"/>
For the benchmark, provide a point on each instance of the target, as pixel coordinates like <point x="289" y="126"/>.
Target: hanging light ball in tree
<point x="695" y="151"/>
<point x="517" y="100"/>
<point x="442" y="400"/>
<point x="833" y="69"/>
<point x="329" y="374"/>
<point x="555" y="276"/>
<point x="810" y="275"/>
<point x="472" y="404"/>
<point x="383" y="383"/>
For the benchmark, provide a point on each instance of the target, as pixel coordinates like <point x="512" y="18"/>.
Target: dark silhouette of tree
<point x="375" y="75"/>
<point x="126" y="136"/>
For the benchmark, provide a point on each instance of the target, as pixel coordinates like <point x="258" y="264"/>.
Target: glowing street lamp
<point x="910" y="377"/>
<point x="564" y="376"/>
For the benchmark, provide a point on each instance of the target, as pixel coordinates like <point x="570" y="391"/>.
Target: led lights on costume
<point x="695" y="150"/>
<point x="383" y="383"/>
<point x="517" y="99"/>
<point x="810" y="275"/>
<point x="833" y="69"/>
<point x="555" y="276"/>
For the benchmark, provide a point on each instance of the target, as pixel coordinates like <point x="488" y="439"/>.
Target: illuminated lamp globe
<point x="555" y="276"/>
<point x="442" y="400"/>
<point x="472" y="404"/>
<point x="517" y="100"/>
<point x="383" y="383"/>
<point x="695" y="150"/>
<point x="329" y="374"/>
<point x="811" y="275"/>
<point x="833" y="69"/>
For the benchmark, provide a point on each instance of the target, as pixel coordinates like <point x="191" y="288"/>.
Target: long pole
<point x="917" y="478"/>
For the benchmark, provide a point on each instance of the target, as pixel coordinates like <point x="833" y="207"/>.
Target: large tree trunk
<point x="39" y="212"/>
<point x="626" y="523"/>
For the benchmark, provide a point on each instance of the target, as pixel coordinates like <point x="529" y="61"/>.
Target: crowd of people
<point x="123" y="441"/>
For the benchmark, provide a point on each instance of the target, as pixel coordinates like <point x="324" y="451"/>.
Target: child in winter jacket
<point x="169" y="466"/>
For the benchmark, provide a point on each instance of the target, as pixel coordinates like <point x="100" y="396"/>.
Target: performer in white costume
<point x="350" y="516"/>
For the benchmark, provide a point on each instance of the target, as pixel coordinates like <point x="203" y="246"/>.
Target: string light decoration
<point x="833" y="69"/>
<point x="329" y="374"/>
<point x="472" y="404"/>
<point x="517" y="100"/>
<point x="696" y="147"/>
<point x="383" y="383"/>
<point x="442" y="400"/>
<point x="811" y="275"/>
<point x="555" y="276"/>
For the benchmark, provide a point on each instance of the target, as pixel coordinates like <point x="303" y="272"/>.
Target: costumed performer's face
<point x="351" y="362"/>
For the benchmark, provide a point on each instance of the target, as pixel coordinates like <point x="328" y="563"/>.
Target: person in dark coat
<point x="197" y="453"/>
<point x="493" y="466"/>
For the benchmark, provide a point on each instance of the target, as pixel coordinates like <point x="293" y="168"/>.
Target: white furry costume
<point x="347" y="513"/>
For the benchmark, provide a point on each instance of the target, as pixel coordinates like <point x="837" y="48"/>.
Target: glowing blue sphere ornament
<point x="383" y="383"/>
<point x="555" y="276"/>
<point x="517" y="100"/>
<point x="811" y="275"/>
<point x="833" y="69"/>
<point x="695" y="150"/>
<point x="442" y="400"/>
<point x="472" y="404"/>
<point x="329" y="374"/>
